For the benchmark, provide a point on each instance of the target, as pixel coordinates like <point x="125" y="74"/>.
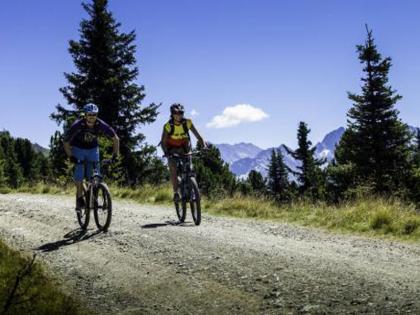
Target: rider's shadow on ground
<point x="167" y="223"/>
<point x="70" y="238"/>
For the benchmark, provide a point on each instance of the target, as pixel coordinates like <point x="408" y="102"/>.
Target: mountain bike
<point x="97" y="199"/>
<point x="190" y="192"/>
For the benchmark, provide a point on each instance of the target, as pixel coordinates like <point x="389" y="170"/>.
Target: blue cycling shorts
<point x="91" y="156"/>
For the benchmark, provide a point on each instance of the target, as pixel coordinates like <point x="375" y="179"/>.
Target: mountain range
<point x="244" y="157"/>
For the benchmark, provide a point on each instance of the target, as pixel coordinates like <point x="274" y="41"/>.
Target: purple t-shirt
<point x="81" y="136"/>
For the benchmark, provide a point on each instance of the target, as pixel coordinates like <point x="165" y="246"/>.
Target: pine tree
<point x="278" y="183"/>
<point x="44" y="167"/>
<point x="27" y="159"/>
<point x="12" y="169"/>
<point x="257" y="182"/>
<point x="413" y="182"/>
<point x="374" y="148"/>
<point x="57" y="157"/>
<point x="106" y="72"/>
<point x="2" y="163"/>
<point x="309" y="173"/>
<point x="213" y="174"/>
<point x="273" y="174"/>
<point x="417" y="149"/>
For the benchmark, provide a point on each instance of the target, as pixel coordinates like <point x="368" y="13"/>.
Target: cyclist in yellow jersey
<point x="176" y="139"/>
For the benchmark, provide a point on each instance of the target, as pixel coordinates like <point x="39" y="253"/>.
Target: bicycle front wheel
<point x="181" y="209"/>
<point x="102" y="207"/>
<point x="195" y="201"/>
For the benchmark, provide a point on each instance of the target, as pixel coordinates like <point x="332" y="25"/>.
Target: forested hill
<point x="22" y="161"/>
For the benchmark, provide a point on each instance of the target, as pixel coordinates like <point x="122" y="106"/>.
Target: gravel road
<point x="148" y="264"/>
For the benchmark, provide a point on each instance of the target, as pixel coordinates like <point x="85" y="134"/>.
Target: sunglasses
<point x="91" y="115"/>
<point x="178" y="113"/>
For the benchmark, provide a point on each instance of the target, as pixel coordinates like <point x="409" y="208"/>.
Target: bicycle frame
<point x="184" y="171"/>
<point x="94" y="181"/>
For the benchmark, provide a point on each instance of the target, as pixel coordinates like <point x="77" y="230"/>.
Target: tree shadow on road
<point x="167" y="223"/>
<point x="73" y="237"/>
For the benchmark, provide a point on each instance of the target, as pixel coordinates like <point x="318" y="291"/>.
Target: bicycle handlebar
<point x="177" y="155"/>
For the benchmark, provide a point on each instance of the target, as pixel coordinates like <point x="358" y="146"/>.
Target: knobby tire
<point x="195" y="201"/>
<point x="102" y="207"/>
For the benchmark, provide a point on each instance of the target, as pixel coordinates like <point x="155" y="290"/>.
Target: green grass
<point x="145" y="194"/>
<point x="376" y="217"/>
<point x="36" y="293"/>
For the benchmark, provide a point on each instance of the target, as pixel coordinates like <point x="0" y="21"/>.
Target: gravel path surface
<point x="148" y="264"/>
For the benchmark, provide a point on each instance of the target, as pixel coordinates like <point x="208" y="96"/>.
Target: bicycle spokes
<point x="102" y="207"/>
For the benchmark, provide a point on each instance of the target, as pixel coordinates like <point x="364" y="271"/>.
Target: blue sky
<point x="284" y="61"/>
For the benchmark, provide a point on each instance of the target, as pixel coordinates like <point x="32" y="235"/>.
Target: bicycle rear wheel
<point x="83" y="214"/>
<point x="102" y="207"/>
<point x="195" y="201"/>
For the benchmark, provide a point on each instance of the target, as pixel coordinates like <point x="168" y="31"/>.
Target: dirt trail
<point x="147" y="264"/>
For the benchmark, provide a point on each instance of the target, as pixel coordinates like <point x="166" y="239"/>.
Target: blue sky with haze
<point x="280" y="61"/>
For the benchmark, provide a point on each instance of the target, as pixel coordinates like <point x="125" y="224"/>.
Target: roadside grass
<point x="145" y="194"/>
<point x="25" y="288"/>
<point x="391" y="219"/>
<point x="378" y="217"/>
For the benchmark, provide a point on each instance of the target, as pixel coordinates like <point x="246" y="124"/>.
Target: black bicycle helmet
<point x="177" y="108"/>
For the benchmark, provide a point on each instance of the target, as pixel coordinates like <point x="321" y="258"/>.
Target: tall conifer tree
<point x="309" y="173"/>
<point x="2" y="163"/>
<point x="213" y="174"/>
<point x="278" y="183"/>
<point x="28" y="159"/>
<point x="256" y="182"/>
<point x="375" y="145"/>
<point x="105" y="75"/>
<point x="12" y="170"/>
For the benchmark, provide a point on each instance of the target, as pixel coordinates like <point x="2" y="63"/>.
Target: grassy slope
<point x="36" y="293"/>
<point x="376" y="217"/>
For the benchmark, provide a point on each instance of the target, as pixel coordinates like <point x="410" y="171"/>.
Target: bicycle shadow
<point x="167" y="223"/>
<point x="73" y="237"/>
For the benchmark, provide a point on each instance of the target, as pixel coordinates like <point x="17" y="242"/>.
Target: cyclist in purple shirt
<point x="81" y="144"/>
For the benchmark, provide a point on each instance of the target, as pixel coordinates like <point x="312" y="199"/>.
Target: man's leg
<point x="174" y="179"/>
<point x="172" y="172"/>
<point x="78" y="176"/>
<point x="92" y="157"/>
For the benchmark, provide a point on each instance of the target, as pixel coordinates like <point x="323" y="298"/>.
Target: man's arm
<point x="115" y="146"/>
<point x="67" y="148"/>
<point x="164" y="141"/>
<point x="109" y="132"/>
<point x="69" y="136"/>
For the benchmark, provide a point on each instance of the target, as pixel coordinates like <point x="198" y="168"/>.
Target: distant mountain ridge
<point x="259" y="162"/>
<point x="234" y="152"/>
<point x="242" y="167"/>
<point x="326" y="148"/>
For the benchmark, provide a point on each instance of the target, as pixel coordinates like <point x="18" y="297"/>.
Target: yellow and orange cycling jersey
<point x="179" y="138"/>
